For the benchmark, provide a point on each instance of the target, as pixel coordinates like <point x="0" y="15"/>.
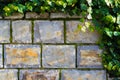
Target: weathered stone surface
<point x="0" y="17"/>
<point x="83" y="75"/>
<point x="75" y="16"/>
<point x="33" y="15"/>
<point x="58" y="15"/>
<point x="22" y="56"/>
<point x="63" y="15"/>
<point x="1" y="60"/>
<point x="8" y="74"/>
<point x="88" y="57"/>
<point x="21" y="31"/>
<point x="75" y="35"/>
<point x="15" y="16"/>
<point x="60" y="56"/>
<point x="48" y="31"/>
<point x="4" y="31"/>
<point x="39" y="75"/>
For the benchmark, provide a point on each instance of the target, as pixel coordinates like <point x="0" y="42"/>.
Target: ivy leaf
<point x="109" y="19"/>
<point x="89" y="16"/>
<point x="87" y="24"/>
<point x="82" y="20"/>
<point x="83" y="6"/>
<point x="89" y="10"/>
<point x="108" y="32"/>
<point x="110" y="65"/>
<point x="6" y="9"/>
<point x="30" y="8"/>
<point x="118" y="19"/>
<point x="21" y="8"/>
<point x="109" y="3"/>
<point x="89" y="2"/>
<point x="70" y="2"/>
<point x="116" y="33"/>
<point x="114" y="67"/>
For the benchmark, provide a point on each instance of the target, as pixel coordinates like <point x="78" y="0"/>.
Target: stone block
<point x="39" y="74"/>
<point x="83" y="75"/>
<point x="22" y="56"/>
<point x="48" y="31"/>
<point x="0" y="17"/>
<point x="58" y="15"/>
<point x="78" y="32"/>
<point x="15" y="16"/>
<point x="21" y="31"/>
<point x="8" y="74"/>
<point x="33" y="15"/>
<point x="75" y="16"/>
<point x="4" y="31"/>
<point x="1" y="56"/>
<point x="64" y="15"/>
<point x="58" y="56"/>
<point x="89" y="57"/>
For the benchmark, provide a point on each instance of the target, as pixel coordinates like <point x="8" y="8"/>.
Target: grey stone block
<point x="15" y="16"/>
<point x="89" y="57"/>
<point x="1" y="56"/>
<point x="8" y="74"/>
<point x="58" y="15"/>
<point x="33" y="74"/>
<point x="64" y="15"/>
<point x="58" y="56"/>
<point x="21" y="31"/>
<point x="48" y="31"/>
<point x="4" y="31"/>
<point x="34" y="15"/>
<point x="83" y="75"/>
<point x="0" y="17"/>
<point x="22" y="56"/>
<point x="76" y="35"/>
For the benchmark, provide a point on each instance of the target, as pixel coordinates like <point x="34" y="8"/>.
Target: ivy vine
<point x="105" y="14"/>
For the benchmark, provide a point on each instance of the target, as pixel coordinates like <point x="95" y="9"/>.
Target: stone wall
<point x="48" y="47"/>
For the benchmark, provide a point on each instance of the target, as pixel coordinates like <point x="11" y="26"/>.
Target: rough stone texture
<point x="39" y="75"/>
<point x="88" y="57"/>
<point x="22" y="56"/>
<point x="33" y="15"/>
<point x="8" y="74"/>
<point x="0" y="17"/>
<point x="21" y="31"/>
<point x="74" y="35"/>
<point x="15" y="16"/>
<point x="48" y="31"/>
<point x="75" y="16"/>
<point x="60" y="56"/>
<point x="58" y="15"/>
<point x="63" y="15"/>
<point x="1" y="60"/>
<point x="83" y="75"/>
<point x="4" y="31"/>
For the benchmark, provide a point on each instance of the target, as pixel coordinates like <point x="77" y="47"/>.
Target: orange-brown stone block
<point x="22" y="56"/>
<point x="89" y="57"/>
<point x="39" y="75"/>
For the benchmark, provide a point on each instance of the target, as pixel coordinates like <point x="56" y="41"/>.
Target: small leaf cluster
<point x="105" y="14"/>
<point x="40" y="6"/>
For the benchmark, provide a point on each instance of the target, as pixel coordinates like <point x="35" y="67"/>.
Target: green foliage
<point x="105" y="15"/>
